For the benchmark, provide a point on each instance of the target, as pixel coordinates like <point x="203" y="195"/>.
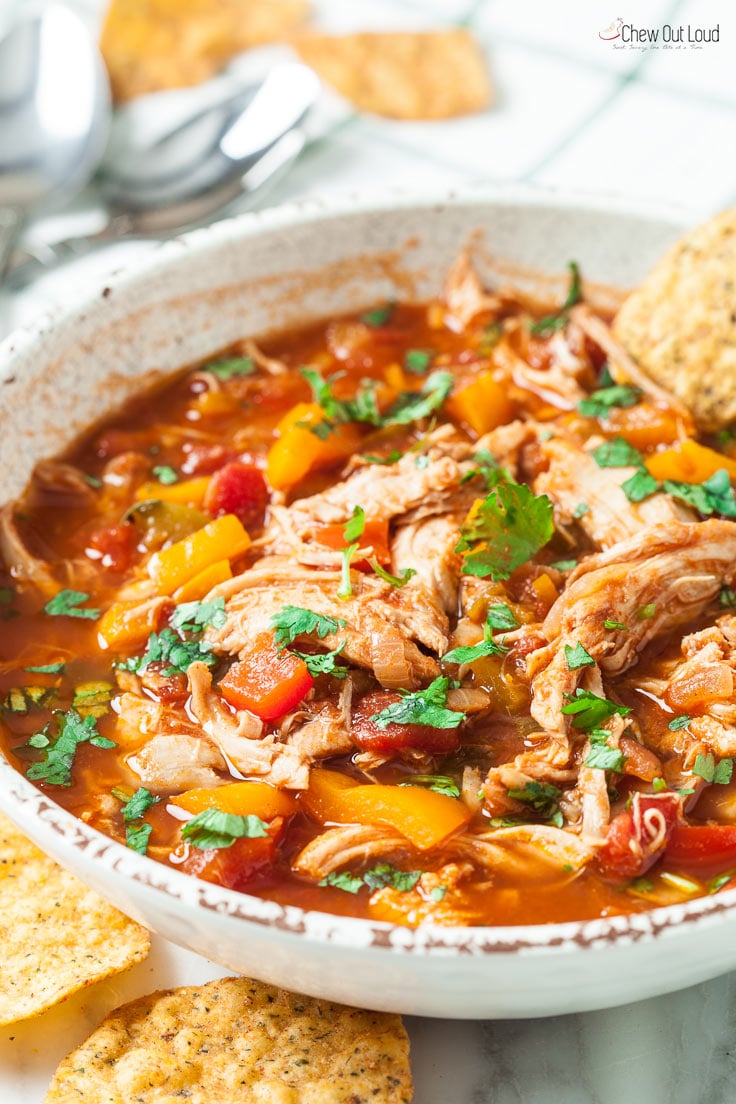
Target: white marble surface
<point x="570" y="113"/>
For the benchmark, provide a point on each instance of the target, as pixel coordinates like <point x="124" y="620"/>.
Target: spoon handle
<point x="11" y="220"/>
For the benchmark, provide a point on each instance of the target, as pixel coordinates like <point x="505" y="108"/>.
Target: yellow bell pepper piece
<point x="190" y="492"/>
<point x="127" y="626"/>
<point x="688" y="462"/>
<point x="221" y="539"/>
<point x="298" y="451"/>
<point x="545" y="589"/>
<point x="426" y="818"/>
<point x="240" y="798"/>
<point x="482" y="404"/>
<point x="214" y="404"/>
<point x="203" y="583"/>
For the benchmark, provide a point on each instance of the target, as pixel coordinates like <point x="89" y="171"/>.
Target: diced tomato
<point x="375" y="536"/>
<point x="637" y="837"/>
<point x="371" y="737"/>
<point x="236" y="867"/>
<point x="238" y="489"/>
<point x="114" y="546"/>
<point x="640" y="761"/>
<point x="206" y="459"/>
<point x="266" y="681"/>
<point x="705" y="848"/>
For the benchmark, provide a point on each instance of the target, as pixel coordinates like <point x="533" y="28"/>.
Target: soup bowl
<point x="265" y="272"/>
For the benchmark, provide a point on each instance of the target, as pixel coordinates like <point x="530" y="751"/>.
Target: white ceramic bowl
<point x="191" y="298"/>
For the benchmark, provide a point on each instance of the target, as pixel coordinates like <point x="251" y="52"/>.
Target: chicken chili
<point x="426" y="614"/>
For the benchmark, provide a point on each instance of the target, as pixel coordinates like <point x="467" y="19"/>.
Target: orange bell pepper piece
<point x="266" y="681"/>
<point x="298" y="451"/>
<point x="215" y="404"/>
<point x="645" y="425"/>
<point x="224" y="538"/>
<point x="482" y="404"/>
<point x="545" y="589"/>
<point x="426" y="818"/>
<point x="202" y="584"/>
<point x="190" y="492"/>
<point x="127" y="626"/>
<point x="241" y="798"/>
<point x="689" y="462"/>
<point x="375" y="536"/>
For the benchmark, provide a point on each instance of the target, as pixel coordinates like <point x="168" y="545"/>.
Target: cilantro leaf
<point x="707" y="768"/>
<point x="392" y="457"/>
<point x="487" y="646"/>
<point x="581" y="510"/>
<point x="726" y="597"/>
<point x="682" y="721"/>
<point x="588" y="710"/>
<point x="324" y="663"/>
<point x="639" y="486"/>
<point x="137" y="837"/>
<point x="138" y="804"/>
<point x="213" y="829"/>
<point x="47" y="669"/>
<point x="165" y="474"/>
<point x="355" y="528"/>
<point x="424" y="707"/>
<point x="66" y="604"/>
<point x="646" y="613"/>
<point x="230" y="367"/>
<point x="615" y="625"/>
<point x="413" y="405"/>
<point x="488" y="469"/>
<point x="617" y="454"/>
<point x="505" y="531"/>
<point x="345" y="589"/>
<point x="440" y="783"/>
<point x="601" y="402"/>
<point x="418" y="361"/>
<point x="601" y="755"/>
<point x="501" y="616"/>
<point x="55" y="766"/>
<point x="564" y="565"/>
<point x="713" y="496"/>
<point x="543" y="798"/>
<point x="194" y="617"/>
<point x="438" y="893"/>
<point x="379" y="316"/>
<point x="398" y="581"/>
<point x="383" y="874"/>
<point x="577" y="656"/>
<point x="293" y="621"/>
<point x="166" y="647"/>
<point x="343" y="880"/>
<point x="552" y="322"/>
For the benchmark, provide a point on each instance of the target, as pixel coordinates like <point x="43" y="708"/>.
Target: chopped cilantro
<point x="501" y="616"/>
<point x="707" y="768"/>
<point x="713" y="496"/>
<point x="639" y="486"/>
<point x="213" y="829"/>
<point x="392" y="457"/>
<point x="543" y="798"/>
<point x="487" y="646"/>
<point x="641" y="885"/>
<point x="140" y="802"/>
<point x="557" y="321"/>
<point x="398" y="581"/>
<point x="601" y="755"/>
<point x="581" y="510"/>
<point x="647" y="612"/>
<point x="492" y="334"/>
<point x="682" y="721"/>
<point x="413" y="405"/>
<point x="343" y="880"/>
<point x="379" y="316"/>
<point x="418" y="361"/>
<point x="166" y="647"/>
<point x="726" y="597"/>
<point x="55" y="767"/>
<point x="508" y="527"/>
<point x="230" y="367"/>
<point x="718" y="883"/>
<point x="577" y="656"/>
<point x="66" y="604"/>
<point x="588" y="710"/>
<point x="383" y="874"/>
<point x="616" y="625"/>
<point x="345" y="589"/>
<point x="293" y="621"/>
<point x="424" y="707"/>
<point x="137" y="837"/>
<point x="438" y="893"/>
<point x="659" y="785"/>
<point x="324" y="663"/>
<point x="7" y="594"/>
<point x="600" y="403"/>
<point x="617" y="454"/>
<point x="408" y="407"/>
<point x="564" y="565"/>
<point x="47" y="669"/>
<point x="165" y="474"/>
<point x="488" y="469"/>
<point x="440" y="783"/>
<point x="194" y="617"/>
<point x="354" y="529"/>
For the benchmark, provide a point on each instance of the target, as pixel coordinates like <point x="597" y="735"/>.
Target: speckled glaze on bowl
<point x="263" y="272"/>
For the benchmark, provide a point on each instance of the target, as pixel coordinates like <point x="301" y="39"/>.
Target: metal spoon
<point x="54" y="115"/>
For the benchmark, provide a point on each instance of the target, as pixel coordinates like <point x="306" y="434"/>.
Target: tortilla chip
<point x="56" y="936"/>
<point x="431" y="75"/>
<point x="149" y="45"/>
<point x="680" y="325"/>
<point x="238" y="1040"/>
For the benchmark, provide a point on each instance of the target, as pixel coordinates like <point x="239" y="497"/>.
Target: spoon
<point x="54" y="116"/>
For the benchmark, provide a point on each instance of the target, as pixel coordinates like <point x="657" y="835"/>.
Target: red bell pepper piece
<point x="266" y="681"/>
<point x="706" y="848"/>
<point x="375" y="536"/>
<point x="638" y="836"/>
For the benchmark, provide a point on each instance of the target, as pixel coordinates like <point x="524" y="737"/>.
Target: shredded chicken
<point x="272" y="365"/>
<point x="438" y="898"/>
<point x="326" y="732"/>
<point x="339" y="847"/>
<point x="428" y="549"/>
<point x="175" y="763"/>
<point x="523" y="848"/>
<point x="238" y="736"/>
<point x="464" y="294"/>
